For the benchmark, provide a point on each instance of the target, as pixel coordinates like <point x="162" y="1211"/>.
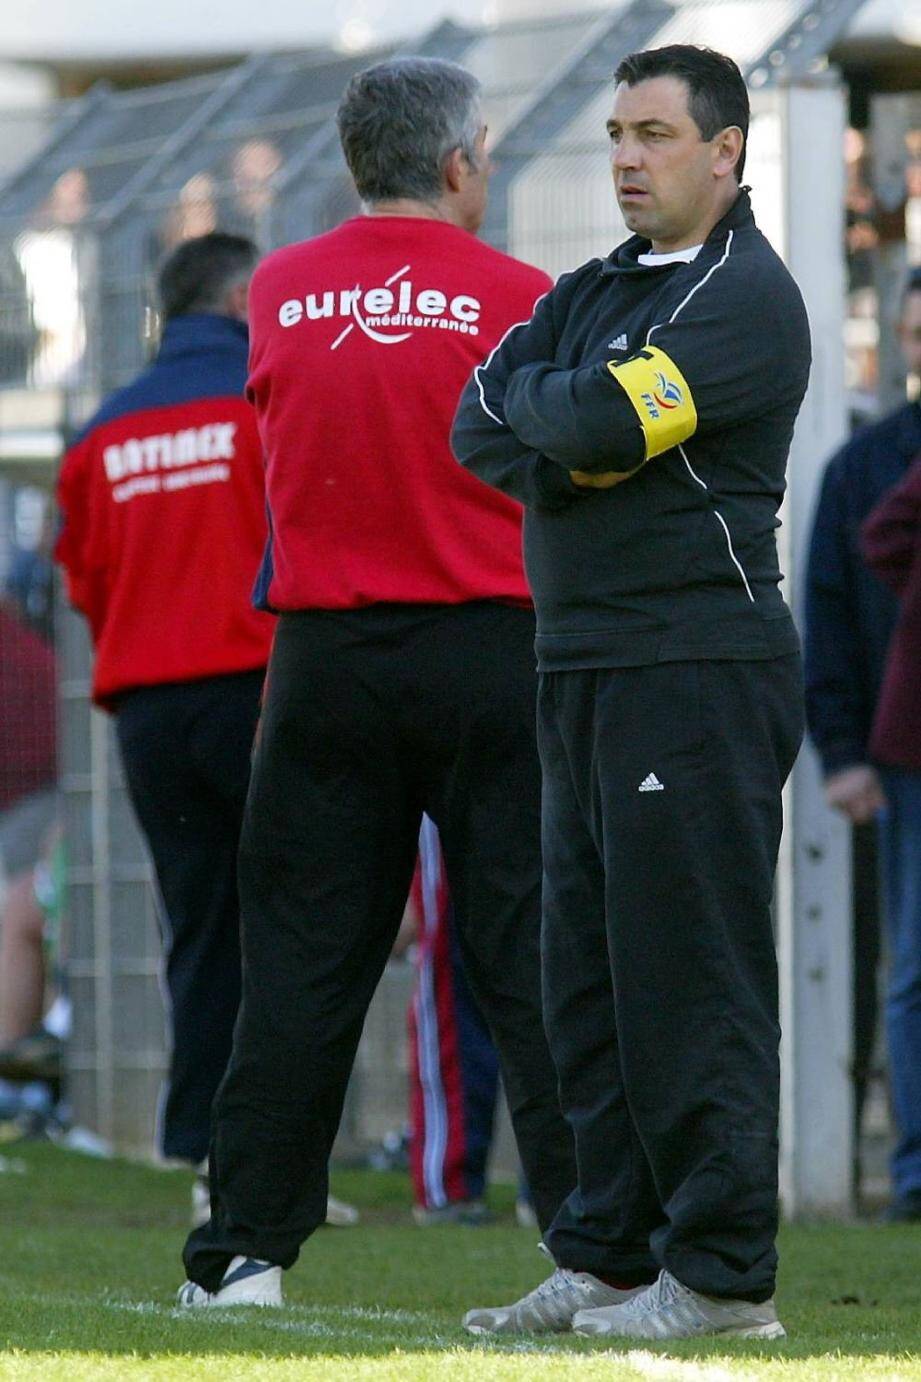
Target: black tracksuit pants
<point x="186" y="751"/>
<point x="371" y="717"/>
<point x="662" y="820"/>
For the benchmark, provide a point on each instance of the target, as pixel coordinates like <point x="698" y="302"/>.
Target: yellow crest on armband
<point x="660" y="395"/>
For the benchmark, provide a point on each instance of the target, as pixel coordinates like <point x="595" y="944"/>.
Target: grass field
<point x="90" y="1265"/>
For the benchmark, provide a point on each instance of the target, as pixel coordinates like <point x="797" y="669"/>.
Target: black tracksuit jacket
<point x="686" y="379"/>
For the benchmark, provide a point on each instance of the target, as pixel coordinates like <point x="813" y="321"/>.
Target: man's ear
<point x="454" y="167"/>
<point x="729" y="146"/>
<point x="237" y="301"/>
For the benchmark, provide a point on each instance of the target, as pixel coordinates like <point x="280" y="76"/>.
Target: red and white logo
<point x="388" y="314"/>
<point x="168" y="461"/>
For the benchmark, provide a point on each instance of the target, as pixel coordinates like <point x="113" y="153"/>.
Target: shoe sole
<point x="521" y="1333"/>
<point x="232" y="1297"/>
<point x="260" y="1302"/>
<point x="519" y="1330"/>
<point x="269" y="1298"/>
<point x="757" y="1331"/>
<point x="228" y="1302"/>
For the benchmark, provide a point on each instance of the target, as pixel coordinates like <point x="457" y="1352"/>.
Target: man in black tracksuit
<point x="644" y="417"/>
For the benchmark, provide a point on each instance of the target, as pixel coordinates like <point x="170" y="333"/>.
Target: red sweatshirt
<point x="361" y="342"/>
<point x="27" y="727"/>
<point x="163" y="508"/>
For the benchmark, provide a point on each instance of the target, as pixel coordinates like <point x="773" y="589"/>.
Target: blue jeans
<point x="900" y="837"/>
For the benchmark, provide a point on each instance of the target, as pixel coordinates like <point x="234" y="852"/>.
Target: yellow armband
<point x="660" y="396"/>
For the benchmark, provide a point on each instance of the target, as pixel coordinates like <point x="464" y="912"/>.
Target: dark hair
<point x="399" y="120"/>
<point x="197" y="275"/>
<point x="717" y="95"/>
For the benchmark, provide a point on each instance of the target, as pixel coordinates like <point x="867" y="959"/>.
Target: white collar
<point x="685" y="256"/>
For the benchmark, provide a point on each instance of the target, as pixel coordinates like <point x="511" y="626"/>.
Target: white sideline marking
<point x="301" y="1320"/>
<point x="656" y="1365"/>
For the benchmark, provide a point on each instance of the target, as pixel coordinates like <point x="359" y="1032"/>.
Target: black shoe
<point x="37" y="1056"/>
<point x="463" y="1213"/>
<point x="905" y="1210"/>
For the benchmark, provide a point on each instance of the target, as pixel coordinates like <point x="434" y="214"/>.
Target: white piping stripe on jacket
<point x="685" y="300"/>
<point x="695" y="476"/>
<point x="488" y="361"/>
<point x="435" y="1132"/>
<point x="683" y="303"/>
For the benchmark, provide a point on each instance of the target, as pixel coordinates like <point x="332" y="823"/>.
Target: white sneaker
<point x="524" y="1213"/>
<point x="550" y="1307"/>
<point x="339" y="1214"/>
<point x="668" y="1310"/>
<point x="247" y="1281"/>
<point x="201" y="1199"/>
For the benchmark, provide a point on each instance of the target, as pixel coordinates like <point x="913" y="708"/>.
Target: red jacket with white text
<point x="361" y="342"/>
<point x="163" y="505"/>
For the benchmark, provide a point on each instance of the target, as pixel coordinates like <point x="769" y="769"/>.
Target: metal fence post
<point x="813" y="893"/>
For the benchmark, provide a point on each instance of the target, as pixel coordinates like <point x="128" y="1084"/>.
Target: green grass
<point x="90" y="1265"/>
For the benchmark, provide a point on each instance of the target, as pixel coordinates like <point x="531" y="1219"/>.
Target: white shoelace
<point x="665" y="1290"/>
<point x="559" y="1280"/>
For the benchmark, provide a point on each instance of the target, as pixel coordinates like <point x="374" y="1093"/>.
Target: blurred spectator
<point x="49" y="253"/>
<point x="255" y="164"/>
<point x="28" y="816"/>
<point x="30" y="989"/>
<point x="849" y="621"/>
<point x="454" y="1069"/>
<point x="30" y="579"/>
<point x="862" y="236"/>
<point x="195" y="211"/>
<point x="892" y="547"/>
<point x="18" y="333"/>
<point x="454" y="1066"/>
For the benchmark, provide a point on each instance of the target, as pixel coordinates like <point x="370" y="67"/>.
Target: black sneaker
<point x="905" y="1210"/>
<point x="36" y="1056"/>
<point x="463" y="1213"/>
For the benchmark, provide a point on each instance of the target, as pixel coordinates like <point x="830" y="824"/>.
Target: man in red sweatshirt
<point x="162" y="498"/>
<point x="402" y="676"/>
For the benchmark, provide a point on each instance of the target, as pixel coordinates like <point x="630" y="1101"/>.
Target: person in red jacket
<point x="401" y="678"/>
<point x="891" y="542"/>
<point x="28" y="820"/>
<point x="162" y="497"/>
